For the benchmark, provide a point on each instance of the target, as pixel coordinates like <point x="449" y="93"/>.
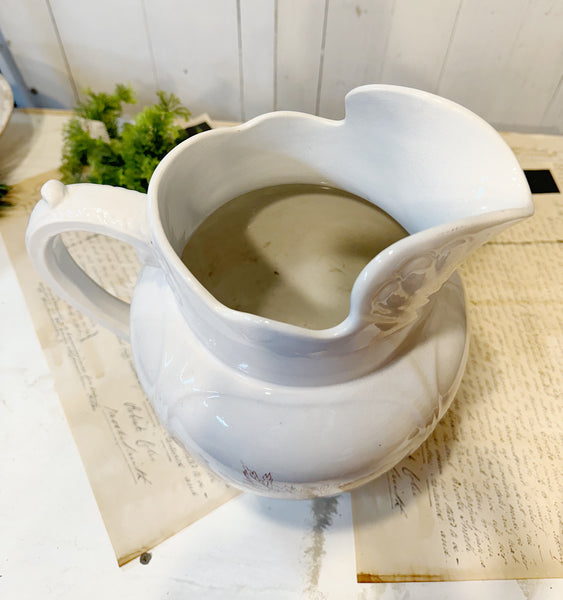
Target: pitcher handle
<point x="111" y="211"/>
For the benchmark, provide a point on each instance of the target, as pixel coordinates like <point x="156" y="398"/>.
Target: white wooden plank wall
<point x="299" y="53"/>
<point x="195" y="46"/>
<point x="257" y="26"/>
<point x="239" y="58"/>
<point x="31" y="35"/>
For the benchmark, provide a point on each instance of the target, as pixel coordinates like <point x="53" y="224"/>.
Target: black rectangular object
<point x="541" y="181"/>
<point x="199" y="128"/>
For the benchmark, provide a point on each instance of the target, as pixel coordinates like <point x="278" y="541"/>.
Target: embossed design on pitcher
<point x="398" y="302"/>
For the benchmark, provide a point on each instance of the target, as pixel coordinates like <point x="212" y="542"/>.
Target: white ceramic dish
<point x="6" y="103"/>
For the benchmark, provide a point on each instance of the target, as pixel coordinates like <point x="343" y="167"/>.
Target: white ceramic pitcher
<point x="272" y="407"/>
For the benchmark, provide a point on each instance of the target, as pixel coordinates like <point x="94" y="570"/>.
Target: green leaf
<point x="132" y="154"/>
<point x="106" y="108"/>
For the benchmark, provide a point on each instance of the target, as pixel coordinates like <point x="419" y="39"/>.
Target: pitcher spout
<point x="393" y="289"/>
<point x="446" y="176"/>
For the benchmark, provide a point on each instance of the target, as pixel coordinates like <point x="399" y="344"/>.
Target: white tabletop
<point x="53" y="541"/>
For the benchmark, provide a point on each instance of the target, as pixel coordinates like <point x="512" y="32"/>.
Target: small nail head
<point x="53" y="192"/>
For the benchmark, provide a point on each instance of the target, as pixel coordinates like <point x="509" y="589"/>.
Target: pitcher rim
<point x="350" y="323"/>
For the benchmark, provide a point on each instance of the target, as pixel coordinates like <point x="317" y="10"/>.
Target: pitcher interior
<point x="425" y="161"/>
<point x="289" y="252"/>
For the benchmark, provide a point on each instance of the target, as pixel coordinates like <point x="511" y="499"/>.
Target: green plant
<point x="131" y="153"/>
<point x="106" y="108"/>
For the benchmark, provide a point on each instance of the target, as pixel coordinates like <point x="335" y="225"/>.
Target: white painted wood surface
<point x="105" y="42"/>
<point x="355" y="45"/>
<point x="196" y="52"/>
<point x="238" y="58"/>
<point x="32" y="38"/>
<point x="257" y="47"/>
<point x="418" y="43"/>
<point x="509" y="70"/>
<point x="299" y="51"/>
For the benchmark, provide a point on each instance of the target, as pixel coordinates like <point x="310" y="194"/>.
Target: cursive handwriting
<point x="129" y="452"/>
<point x="137" y="416"/>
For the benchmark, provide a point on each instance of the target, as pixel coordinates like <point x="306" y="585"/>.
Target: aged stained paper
<point x="146" y="486"/>
<point x="483" y="496"/>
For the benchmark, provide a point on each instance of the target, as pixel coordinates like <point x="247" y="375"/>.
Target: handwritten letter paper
<point x="483" y="496"/>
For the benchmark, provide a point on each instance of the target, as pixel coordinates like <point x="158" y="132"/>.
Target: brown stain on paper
<point x="396" y="578"/>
